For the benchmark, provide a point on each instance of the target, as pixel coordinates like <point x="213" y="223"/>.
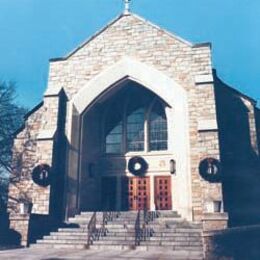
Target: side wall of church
<point x="24" y="159"/>
<point x="239" y="154"/>
<point x="30" y="150"/>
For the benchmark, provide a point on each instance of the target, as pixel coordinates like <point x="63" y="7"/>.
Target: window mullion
<point x="146" y="133"/>
<point x="124" y="142"/>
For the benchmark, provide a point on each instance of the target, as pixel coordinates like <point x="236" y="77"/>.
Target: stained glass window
<point x="114" y="130"/>
<point x="130" y="121"/>
<point x="157" y="128"/>
<point x="135" y="130"/>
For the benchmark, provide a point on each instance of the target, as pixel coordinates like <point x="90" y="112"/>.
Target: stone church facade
<point x="133" y="90"/>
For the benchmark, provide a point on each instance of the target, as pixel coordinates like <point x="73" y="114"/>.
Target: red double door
<point x="163" y="195"/>
<point x="135" y="193"/>
<point x="139" y="193"/>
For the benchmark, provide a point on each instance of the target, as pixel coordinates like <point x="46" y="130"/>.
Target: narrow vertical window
<point x="158" y="135"/>
<point x="114" y="130"/>
<point x="135" y="130"/>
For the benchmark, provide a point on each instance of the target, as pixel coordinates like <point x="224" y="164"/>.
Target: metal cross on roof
<point x="127" y="6"/>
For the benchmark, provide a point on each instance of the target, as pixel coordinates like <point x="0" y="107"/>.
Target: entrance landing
<point x="104" y="254"/>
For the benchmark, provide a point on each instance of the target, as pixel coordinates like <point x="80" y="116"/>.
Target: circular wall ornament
<point x="41" y="175"/>
<point x="210" y="169"/>
<point x="137" y="166"/>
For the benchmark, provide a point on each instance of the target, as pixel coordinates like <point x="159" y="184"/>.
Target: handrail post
<point x="92" y="228"/>
<point x="137" y="229"/>
<point x="104" y="222"/>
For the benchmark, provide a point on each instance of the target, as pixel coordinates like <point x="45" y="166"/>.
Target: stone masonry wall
<point x="28" y="152"/>
<point x="207" y="142"/>
<point x="25" y="158"/>
<point x="20" y="223"/>
<point x="209" y="148"/>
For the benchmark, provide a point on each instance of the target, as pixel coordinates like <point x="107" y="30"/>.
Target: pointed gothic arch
<point x="109" y="82"/>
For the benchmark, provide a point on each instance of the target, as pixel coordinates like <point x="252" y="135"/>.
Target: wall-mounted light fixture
<point x="172" y="166"/>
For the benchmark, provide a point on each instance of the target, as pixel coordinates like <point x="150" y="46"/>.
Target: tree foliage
<point x="11" y="119"/>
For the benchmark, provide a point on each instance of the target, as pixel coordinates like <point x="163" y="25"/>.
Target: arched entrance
<point x="91" y="157"/>
<point x="127" y="122"/>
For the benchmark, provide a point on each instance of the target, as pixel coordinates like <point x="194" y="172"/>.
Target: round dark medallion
<point x="41" y="175"/>
<point x="210" y="169"/>
<point x="137" y="166"/>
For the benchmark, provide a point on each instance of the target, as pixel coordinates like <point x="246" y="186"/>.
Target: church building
<point x="134" y="119"/>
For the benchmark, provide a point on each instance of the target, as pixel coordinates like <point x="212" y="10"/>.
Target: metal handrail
<point x="138" y="230"/>
<point x="150" y="216"/>
<point x="107" y="216"/>
<point x="142" y="230"/>
<point x="145" y="215"/>
<point x="92" y="229"/>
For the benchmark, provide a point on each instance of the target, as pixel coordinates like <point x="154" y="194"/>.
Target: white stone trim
<point x="207" y="125"/>
<point x="147" y="76"/>
<point x="46" y="134"/>
<point x="202" y="79"/>
<point x="53" y="91"/>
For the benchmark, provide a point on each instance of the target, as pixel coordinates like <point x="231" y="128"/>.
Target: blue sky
<point x="33" y="31"/>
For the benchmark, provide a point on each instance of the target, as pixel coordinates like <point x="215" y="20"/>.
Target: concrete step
<point x="196" y="250"/>
<point x="167" y="235"/>
<point x="62" y="241"/>
<point x="85" y="225"/>
<point x="115" y="226"/>
<point x="153" y="241"/>
<point x="156" y="236"/>
<point x="120" y="234"/>
<point x="116" y="243"/>
<point x="116" y="238"/>
<point x="111" y="247"/>
<point x="85" y="213"/>
<point x="59" y="246"/>
<point x="69" y="234"/>
<point x="82" y="228"/>
<point x="84" y="238"/>
<point x="175" y="238"/>
<point x="167" y="213"/>
<point x="172" y="243"/>
<point x="72" y="230"/>
<point x="90" y="213"/>
<point x="175" y="254"/>
<point x="82" y="217"/>
<point x="122" y="221"/>
<point x="61" y="237"/>
<point x="117" y="230"/>
<point x="177" y="230"/>
<point x="180" y="224"/>
<point x="79" y="219"/>
<point x="174" y="235"/>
